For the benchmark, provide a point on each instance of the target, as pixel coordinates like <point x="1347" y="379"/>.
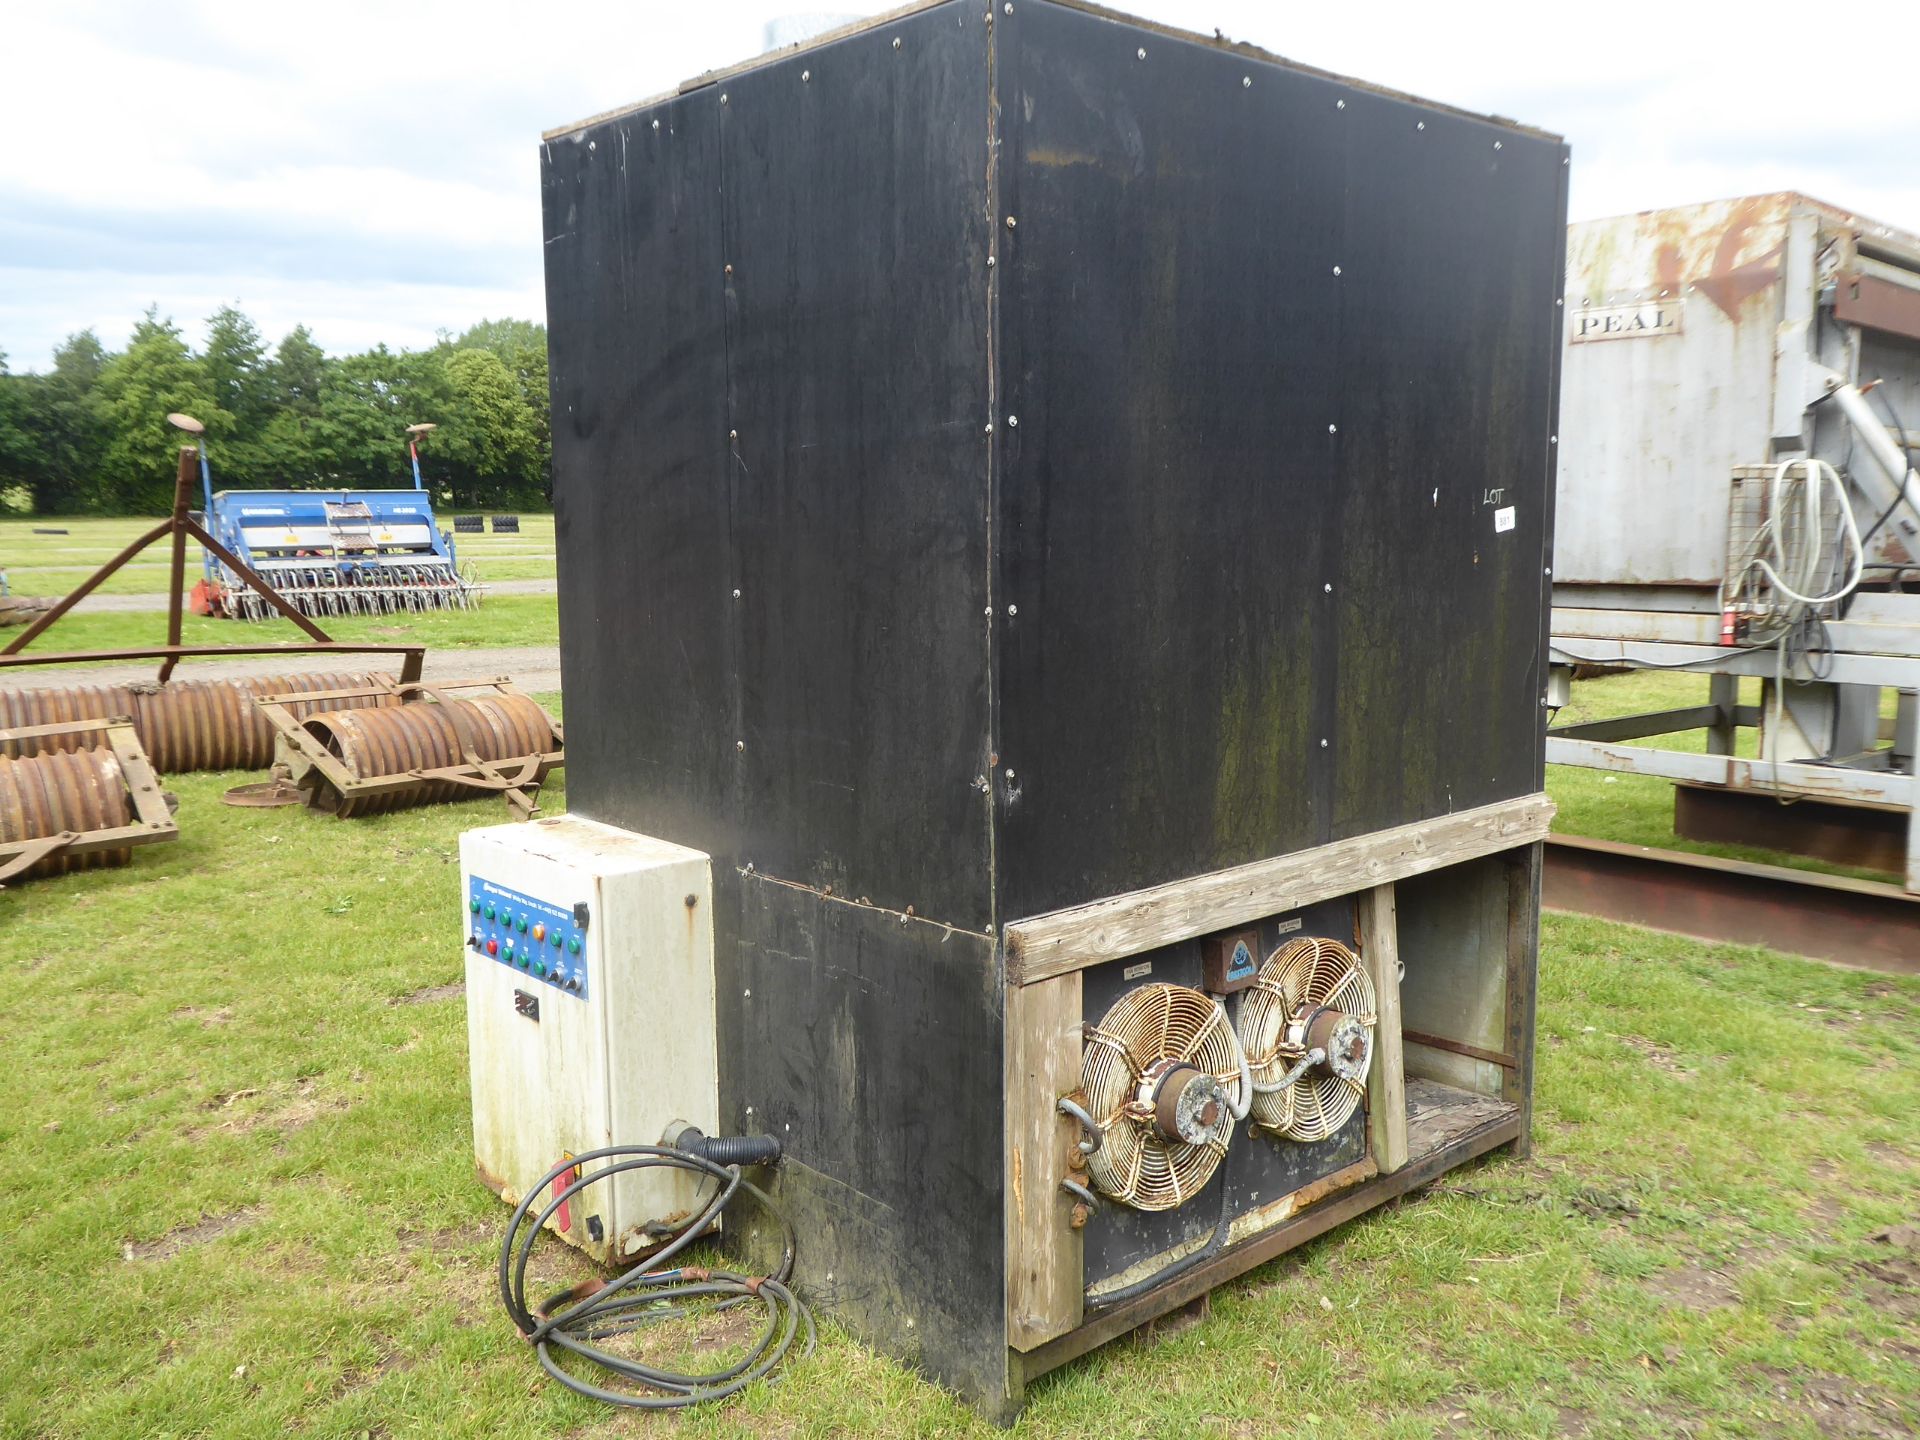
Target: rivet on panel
<point x="990" y="262"/>
<point x="1246" y="82"/>
<point x="1333" y="429"/>
<point x="739" y="744"/>
<point x="1140" y="54"/>
<point x="1323" y="744"/>
<point x="1011" y="222"/>
<point x="656" y="124"/>
<point x="1336" y="269"/>
<point x="1419" y="124"/>
<point x="1498" y="145"/>
<point x="1339" y="104"/>
<point x="733" y="434"/>
<point x="989" y="612"/>
<point x="746" y="994"/>
<point x="723" y="99"/>
<point x="1013" y="610"/>
<point x="1328" y="587"/>
<point x="736" y="594"/>
<point x="593" y="145"/>
<point x="1013" y="422"/>
<point x="729" y="269"/>
<point x="1009" y="774"/>
<point x="989" y="427"/>
<point x="805" y="76"/>
<point x="896" y="42"/>
<point x="1553" y="439"/>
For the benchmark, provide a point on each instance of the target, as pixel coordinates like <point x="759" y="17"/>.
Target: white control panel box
<point x="590" y="1018"/>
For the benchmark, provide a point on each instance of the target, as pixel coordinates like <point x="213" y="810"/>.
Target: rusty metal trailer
<point x="1736" y="499"/>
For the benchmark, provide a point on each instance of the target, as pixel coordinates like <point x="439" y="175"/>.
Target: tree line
<point x="90" y="435"/>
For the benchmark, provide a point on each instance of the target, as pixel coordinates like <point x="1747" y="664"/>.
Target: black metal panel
<point x="872" y="1048"/>
<point x="1220" y="480"/>
<point x="857" y="336"/>
<point x="1258" y="1168"/>
<point x="637" y="352"/>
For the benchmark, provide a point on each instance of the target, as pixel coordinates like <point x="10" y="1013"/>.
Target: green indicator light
<point x="523" y="962"/>
<point x="489" y="910"/>
<point x="555" y="937"/>
<point x="573" y="945"/>
<point x="540" y="968"/>
<point x="474" y="905"/>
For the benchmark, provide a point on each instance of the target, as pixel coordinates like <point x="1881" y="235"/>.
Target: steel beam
<point x="1872" y="837"/>
<point x="1882" y="787"/>
<point x="1825" y="917"/>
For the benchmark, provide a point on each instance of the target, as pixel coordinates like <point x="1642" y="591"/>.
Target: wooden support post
<point x="1045" y="1279"/>
<point x="1387" y="1082"/>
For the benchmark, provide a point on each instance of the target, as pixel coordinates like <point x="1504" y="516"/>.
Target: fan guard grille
<point x="1300" y="978"/>
<point x="1134" y="1164"/>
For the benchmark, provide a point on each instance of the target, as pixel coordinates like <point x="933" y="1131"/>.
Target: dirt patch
<point x="289" y="1108"/>
<point x="427" y="994"/>
<point x="1661" y="1057"/>
<point x="1843" y="1409"/>
<point x="185" y="1237"/>
<point x="208" y="1018"/>
<point x="1696" y="1288"/>
<point x="1897" y="1269"/>
<point x="1891" y="1155"/>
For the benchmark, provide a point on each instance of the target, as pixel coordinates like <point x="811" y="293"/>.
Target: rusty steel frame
<point x="153" y="821"/>
<point x="181" y="525"/>
<point x="1826" y="917"/>
<point x="303" y="755"/>
<point x="1840" y="832"/>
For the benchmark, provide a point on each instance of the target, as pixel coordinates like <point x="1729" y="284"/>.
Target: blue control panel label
<point x="537" y="940"/>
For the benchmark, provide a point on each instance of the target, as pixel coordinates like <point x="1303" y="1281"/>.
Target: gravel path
<point x="534" y="668"/>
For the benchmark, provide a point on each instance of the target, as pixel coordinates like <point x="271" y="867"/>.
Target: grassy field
<point x="1638" y="809"/>
<point x="54" y="564"/>
<point x="239" y="1164"/>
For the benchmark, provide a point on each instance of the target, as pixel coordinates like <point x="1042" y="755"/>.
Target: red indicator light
<point x="493" y="947"/>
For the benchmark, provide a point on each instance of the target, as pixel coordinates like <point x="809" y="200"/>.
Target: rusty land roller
<point x="430" y="749"/>
<point x="186" y="724"/>
<point x="68" y="808"/>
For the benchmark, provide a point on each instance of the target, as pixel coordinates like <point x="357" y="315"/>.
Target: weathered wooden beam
<point x="1073" y="939"/>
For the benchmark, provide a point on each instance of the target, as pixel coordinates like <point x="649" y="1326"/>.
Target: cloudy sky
<point x="370" y="169"/>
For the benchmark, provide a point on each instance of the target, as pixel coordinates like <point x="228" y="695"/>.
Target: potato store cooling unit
<point x="1055" y="516"/>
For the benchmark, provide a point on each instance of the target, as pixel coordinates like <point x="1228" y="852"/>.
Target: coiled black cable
<point x="646" y="1294"/>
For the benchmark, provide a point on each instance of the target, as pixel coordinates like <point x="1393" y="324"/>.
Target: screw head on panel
<point x="1419" y="124"/>
<point x="1013" y="610"/>
<point x="593" y="145"/>
<point x="990" y="262"/>
<point x="989" y="427"/>
<point x="1498" y="146"/>
<point x="1140" y="54"/>
<point x="733" y="434"/>
<point x="1013" y="422"/>
<point x="1009" y="11"/>
<point x="1246" y="82"/>
<point x="1328" y="587"/>
<point x="805" y="76"/>
<point x="1339" y="104"/>
<point x="989" y="612"/>
<point x="739" y="744"/>
<point x="656" y="124"/>
<point x="1336" y="270"/>
<point x="723" y="98"/>
<point x="1333" y="429"/>
<point x="1323" y="744"/>
<point x="736" y="594"/>
<point x="896" y="42"/>
<point x="1011" y="222"/>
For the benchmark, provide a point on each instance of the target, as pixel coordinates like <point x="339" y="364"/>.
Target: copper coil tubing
<point x="49" y="794"/>
<point x="424" y="736"/>
<point x="184" y="724"/>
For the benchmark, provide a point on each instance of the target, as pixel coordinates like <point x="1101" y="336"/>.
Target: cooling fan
<point x="1307" y="1025"/>
<point x="1165" y="1081"/>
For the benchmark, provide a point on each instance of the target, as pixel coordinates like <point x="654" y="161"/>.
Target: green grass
<point x="54" y="564"/>
<point x="502" y="620"/>
<point x="241" y="1061"/>
<point x="1638" y="809"/>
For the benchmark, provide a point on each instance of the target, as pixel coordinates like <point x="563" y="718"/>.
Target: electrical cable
<point x="574" y="1319"/>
